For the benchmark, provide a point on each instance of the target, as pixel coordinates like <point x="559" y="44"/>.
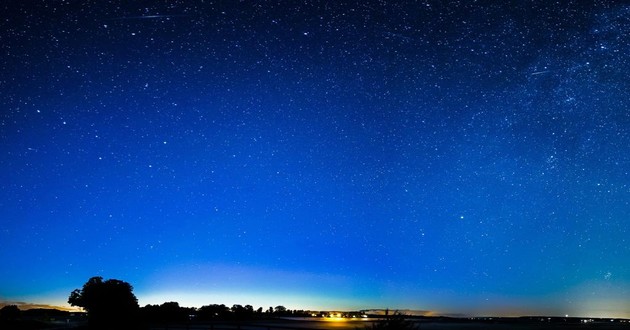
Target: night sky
<point x="457" y="157"/>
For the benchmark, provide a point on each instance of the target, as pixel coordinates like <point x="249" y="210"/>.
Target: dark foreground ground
<point x="350" y="324"/>
<point x="319" y="324"/>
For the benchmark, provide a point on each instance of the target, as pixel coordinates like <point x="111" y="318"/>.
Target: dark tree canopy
<point x="106" y="302"/>
<point x="167" y="312"/>
<point x="212" y="312"/>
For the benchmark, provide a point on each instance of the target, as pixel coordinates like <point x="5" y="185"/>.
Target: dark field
<point x="342" y="324"/>
<point x="283" y="324"/>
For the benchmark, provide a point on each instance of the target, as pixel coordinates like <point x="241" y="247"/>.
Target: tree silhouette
<point x="165" y="313"/>
<point x="280" y="310"/>
<point x="213" y="312"/>
<point x="109" y="304"/>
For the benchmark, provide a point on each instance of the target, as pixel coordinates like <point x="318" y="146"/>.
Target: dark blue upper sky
<point x="453" y="156"/>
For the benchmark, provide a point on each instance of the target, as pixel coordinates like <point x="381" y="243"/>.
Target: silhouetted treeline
<point x="11" y="317"/>
<point x="171" y="312"/>
<point x="110" y="303"/>
<point x="167" y="312"/>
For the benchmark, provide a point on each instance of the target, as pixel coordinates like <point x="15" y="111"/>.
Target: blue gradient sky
<point x="457" y="157"/>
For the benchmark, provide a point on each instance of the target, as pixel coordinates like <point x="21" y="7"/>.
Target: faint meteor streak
<point x="150" y="17"/>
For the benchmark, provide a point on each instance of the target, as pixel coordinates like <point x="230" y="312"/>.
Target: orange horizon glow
<point x="26" y="306"/>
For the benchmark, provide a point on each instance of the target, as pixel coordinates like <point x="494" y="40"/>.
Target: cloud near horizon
<point x="26" y="305"/>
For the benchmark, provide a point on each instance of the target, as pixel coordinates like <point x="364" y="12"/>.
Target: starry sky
<point x="456" y="157"/>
